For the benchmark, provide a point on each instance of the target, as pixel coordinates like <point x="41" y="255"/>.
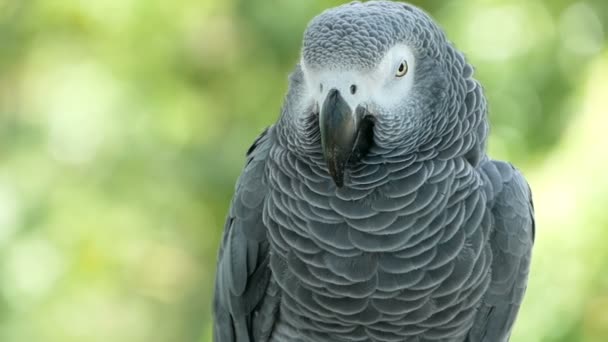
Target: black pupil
<point x="401" y="67"/>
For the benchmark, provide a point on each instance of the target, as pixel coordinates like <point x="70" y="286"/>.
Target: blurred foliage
<point x="123" y="126"/>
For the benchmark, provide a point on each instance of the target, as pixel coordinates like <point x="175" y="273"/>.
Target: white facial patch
<point x="394" y="88"/>
<point x="380" y="87"/>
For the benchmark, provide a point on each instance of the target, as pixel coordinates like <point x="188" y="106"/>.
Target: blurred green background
<point x="123" y="126"/>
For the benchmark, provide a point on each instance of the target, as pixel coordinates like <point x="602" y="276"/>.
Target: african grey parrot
<point x="370" y="211"/>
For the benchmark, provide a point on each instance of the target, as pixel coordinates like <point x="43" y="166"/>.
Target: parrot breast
<point x="399" y="253"/>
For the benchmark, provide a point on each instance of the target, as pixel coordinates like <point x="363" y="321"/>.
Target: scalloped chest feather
<point x="400" y="253"/>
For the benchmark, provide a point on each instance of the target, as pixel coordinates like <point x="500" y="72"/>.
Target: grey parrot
<point x="370" y="211"/>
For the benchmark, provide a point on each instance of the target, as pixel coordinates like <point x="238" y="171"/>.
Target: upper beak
<point x="339" y="126"/>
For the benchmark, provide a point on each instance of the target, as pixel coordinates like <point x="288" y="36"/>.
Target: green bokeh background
<point x="123" y="126"/>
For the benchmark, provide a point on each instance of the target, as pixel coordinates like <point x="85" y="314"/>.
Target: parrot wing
<point x="511" y="242"/>
<point x="244" y="306"/>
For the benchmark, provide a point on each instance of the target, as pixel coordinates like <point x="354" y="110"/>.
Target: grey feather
<point x="425" y="239"/>
<point x="243" y="283"/>
<point x="511" y="245"/>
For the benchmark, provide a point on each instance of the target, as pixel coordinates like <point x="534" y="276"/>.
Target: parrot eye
<point x="402" y="70"/>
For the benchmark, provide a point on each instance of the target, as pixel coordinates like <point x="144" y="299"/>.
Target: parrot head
<point x="380" y="77"/>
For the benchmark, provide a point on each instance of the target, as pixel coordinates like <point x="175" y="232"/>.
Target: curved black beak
<point x="339" y="126"/>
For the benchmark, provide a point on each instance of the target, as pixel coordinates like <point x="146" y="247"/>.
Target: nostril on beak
<point x="353" y="89"/>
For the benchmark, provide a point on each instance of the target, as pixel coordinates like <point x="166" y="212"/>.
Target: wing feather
<point x="243" y="274"/>
<point x="511" y="243"/>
